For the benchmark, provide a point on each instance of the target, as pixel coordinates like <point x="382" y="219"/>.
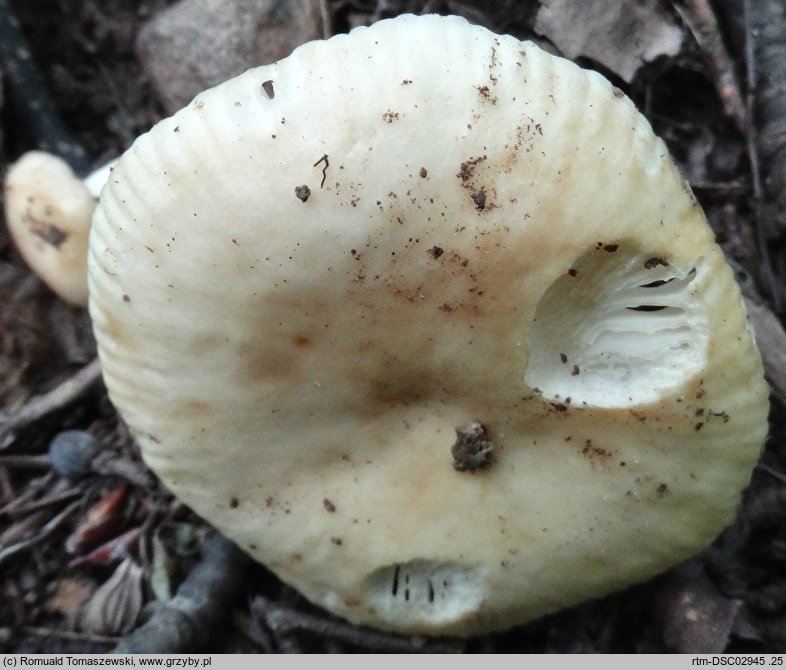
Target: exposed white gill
<point x="621" y="328"/>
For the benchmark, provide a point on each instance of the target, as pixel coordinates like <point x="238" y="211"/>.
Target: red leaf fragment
<point x="111" y="551"/>
<point x="99" y="522"/>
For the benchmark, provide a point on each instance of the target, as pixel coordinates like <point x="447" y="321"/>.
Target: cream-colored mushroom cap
<point x="48" y="210"/>
<point x="427" y="321"/>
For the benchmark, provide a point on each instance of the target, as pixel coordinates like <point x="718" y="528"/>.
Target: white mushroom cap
<point x="48" y="212"/>
<point x="427" y="321"/>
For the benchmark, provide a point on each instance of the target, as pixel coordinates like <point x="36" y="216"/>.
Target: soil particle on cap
<point x="485" y="93"/>
<point x="435" y="252"/>
<point x="48" y="232"/>
<point x="473" y="450"/>
<point x="302" y="192"/>
<point x="479" y="192"/>
<point x="329" y="506"/>
<point x="654" y="262"/>
<point x="467" y="168"/>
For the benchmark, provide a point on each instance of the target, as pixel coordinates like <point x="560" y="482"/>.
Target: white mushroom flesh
<point x="306" y="282"/>
<point x="48" y="211"/>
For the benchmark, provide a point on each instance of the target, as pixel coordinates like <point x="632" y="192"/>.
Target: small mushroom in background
<point x="48" y="211"/>
<point x="307" y="372"/>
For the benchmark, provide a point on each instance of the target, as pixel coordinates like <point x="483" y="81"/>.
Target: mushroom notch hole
<point x="621" y="328"/>
<point x="430" y="592"/>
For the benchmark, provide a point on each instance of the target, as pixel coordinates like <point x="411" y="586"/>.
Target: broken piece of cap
<point x="440" y="336"/>
<point x="48" y="211"/>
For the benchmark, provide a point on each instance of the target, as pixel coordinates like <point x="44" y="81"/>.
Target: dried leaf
<point x="115" y="606"/>
<point x="195" y="44"/>
<point x="99" y="522"/>
<point x="171" y="538"/>
<point x="182" y="539"/>
<point x="161" y="570"/>
<point x="697" y="618"/>
<point x="21" y="529"/>
<point x="619" y="34"/>
<point x="771" y="338"/>
<point x="111" y="551"/>
<point x="69" y="596"/>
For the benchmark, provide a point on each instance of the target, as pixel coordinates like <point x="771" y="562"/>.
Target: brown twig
<point x="765" y="229"/>
<point x="324" y="15"/>
<point x="9" y="552"/>
<point x="110" y="463"/>
<point x="781" y="477"/>
<point x="22" y="528"/>
<point x="34" y="107"/>
<point x="34" y="489"/>
<point x="24" y="461"/>
<point x="771" y="340"/>
<point x="40" y="406"/>
<point x="55" y="499"/>
<point x="252" y="630"/>
<point x="703" y="24"/>
<point x="283" y="621"/>
<point x="67" y="635"/>
<point x="6" y="485"/>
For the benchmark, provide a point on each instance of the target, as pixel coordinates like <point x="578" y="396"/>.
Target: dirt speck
<point x="48" y="232"/>
<point x="592" y="451"/>
<point x="302" y="192"/>
<point x="467" y="168"/>
<point x="473" y="450"/>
